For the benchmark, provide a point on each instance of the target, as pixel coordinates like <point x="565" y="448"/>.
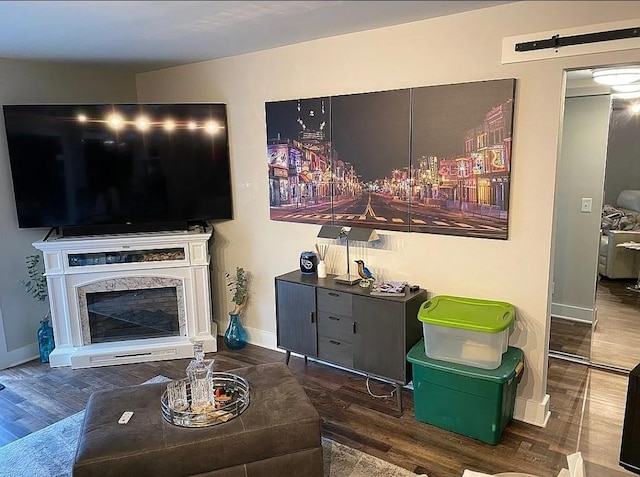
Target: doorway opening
<point x="595" y="316"/>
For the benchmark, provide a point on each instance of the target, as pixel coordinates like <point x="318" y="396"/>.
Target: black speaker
<point x="630" y="448"/>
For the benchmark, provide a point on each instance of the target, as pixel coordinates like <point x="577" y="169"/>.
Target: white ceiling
<point x="580" y="83"/>
<point x="153" y="34"/>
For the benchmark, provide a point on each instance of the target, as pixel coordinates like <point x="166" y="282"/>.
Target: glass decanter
<point x="199" y="375"/>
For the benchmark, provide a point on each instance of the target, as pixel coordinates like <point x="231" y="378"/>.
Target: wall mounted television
<point x="114" y="168"/>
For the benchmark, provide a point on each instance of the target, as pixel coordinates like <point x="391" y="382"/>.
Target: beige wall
<point x="453" y="49"/>
<point x="23" y="82"/>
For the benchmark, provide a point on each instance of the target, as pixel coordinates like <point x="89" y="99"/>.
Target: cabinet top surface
<point x="62" y="243"/>
<point x="297" y="277"/>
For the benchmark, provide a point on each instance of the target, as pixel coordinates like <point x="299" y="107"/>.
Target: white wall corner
<point x="19" y="356"/>
<point x="532" y="412"/>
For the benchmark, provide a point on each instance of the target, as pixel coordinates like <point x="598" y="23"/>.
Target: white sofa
<point x="619" y="262"/>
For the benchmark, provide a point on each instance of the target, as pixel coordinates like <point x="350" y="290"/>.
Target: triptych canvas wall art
<point x="433" y="159"/>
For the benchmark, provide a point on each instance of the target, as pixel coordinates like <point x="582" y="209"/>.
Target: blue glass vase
<point x="45" y="340"/>
<point x="235" y="337"/>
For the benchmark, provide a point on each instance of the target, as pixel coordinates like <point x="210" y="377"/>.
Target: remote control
<point x="125" y="417"/>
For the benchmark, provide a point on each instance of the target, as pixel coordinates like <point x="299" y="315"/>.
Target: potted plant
<point x="236" y="337"/>
<point x="36" y="286"/>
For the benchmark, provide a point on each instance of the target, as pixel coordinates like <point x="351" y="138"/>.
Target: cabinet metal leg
<point x="636" y="287"/>
<point x="399" y="396"/>
<point x="305" y="359"/>
<point x="286" y="359"/>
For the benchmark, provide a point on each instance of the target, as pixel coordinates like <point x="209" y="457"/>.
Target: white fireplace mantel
<point x="75" y="265"/>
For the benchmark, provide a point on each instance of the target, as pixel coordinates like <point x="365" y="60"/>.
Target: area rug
<point x="50" y="452"/>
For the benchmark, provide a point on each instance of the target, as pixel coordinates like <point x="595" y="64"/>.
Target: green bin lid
<point x="507" y="369"/>
<point x="467" y="313"/>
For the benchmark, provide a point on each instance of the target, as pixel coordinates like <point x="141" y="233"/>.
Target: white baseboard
<point x="262" y="338"/>
<point x="571" y="312"/>
<point x="532" y="412"/>
<point x="19" y="356"/>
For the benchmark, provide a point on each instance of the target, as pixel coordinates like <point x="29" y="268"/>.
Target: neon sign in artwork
<point x="478" y="163"/>
<point x="496" y="158"/>
<point x="278" y="155"/>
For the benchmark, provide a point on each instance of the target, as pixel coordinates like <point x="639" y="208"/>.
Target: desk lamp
<point x="358" y="234"/>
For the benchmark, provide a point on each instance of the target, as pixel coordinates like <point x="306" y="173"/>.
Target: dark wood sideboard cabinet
<point x="346" y="326"/>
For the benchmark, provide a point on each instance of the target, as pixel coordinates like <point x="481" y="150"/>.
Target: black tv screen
<point x="122" y="165"/>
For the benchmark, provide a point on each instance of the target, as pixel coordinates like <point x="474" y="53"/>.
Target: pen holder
<point x="322" y="269"/>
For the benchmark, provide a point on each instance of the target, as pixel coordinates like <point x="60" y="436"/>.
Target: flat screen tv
<point x="113" y="168"/>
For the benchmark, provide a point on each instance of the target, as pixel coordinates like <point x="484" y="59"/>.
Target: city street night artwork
<point x="434" y="159"/>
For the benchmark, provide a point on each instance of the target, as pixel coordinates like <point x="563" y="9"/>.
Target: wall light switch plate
<point x="585" y="205"/>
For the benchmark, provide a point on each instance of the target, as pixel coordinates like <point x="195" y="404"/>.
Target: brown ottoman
<point x="278" y="434"/>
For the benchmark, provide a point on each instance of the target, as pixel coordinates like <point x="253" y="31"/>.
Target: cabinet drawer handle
<point x="334" y="342"/>
<point x="354" y="327"/>
<point x="334" y="318"/>
<point x="334" y="294"/>
<point x="312" y="316"/>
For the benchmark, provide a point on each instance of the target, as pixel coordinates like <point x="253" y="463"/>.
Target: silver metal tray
<point x="218" y="412"/>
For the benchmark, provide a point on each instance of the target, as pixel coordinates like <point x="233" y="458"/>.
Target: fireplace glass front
<point x="133" y="314"/>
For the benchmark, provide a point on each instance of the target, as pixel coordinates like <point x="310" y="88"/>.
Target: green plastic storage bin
<point x="466" y="330"/>
<point x="464" y="399"/>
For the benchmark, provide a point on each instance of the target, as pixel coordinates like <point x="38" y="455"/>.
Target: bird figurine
<point x="365" y="274"/>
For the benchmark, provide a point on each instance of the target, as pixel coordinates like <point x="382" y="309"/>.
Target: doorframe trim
<point x="587" y="362"/>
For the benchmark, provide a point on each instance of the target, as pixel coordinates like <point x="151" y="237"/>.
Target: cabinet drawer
<point x="335" y="351"/>
<point x="334" y="301"/>
<point x="335" y="326"/>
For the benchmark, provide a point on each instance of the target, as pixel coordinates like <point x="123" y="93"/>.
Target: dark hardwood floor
<point x="570" y="337"/>
<point x="616" y="336"/>
<point x="587" y="408"/>
<point x="614" y="340"/>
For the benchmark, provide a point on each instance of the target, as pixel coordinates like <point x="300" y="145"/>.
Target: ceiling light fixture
<point x="626" y="88"/>
<point x="616" y="76"/>
<point x="632" y="95"/>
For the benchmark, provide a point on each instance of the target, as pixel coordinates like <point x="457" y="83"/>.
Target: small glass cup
<point x="177" y="395"/>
